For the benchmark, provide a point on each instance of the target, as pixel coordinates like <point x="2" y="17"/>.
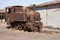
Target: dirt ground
<point x="12" y="34"/>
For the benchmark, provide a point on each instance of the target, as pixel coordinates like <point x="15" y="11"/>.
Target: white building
<point x="50" y="13"/>
<point x="2" y="15"/>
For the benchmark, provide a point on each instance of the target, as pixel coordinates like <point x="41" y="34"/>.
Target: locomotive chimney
<point x="33" y="6"/>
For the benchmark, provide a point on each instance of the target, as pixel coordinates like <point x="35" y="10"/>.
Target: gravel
<point x="12" y="34"/>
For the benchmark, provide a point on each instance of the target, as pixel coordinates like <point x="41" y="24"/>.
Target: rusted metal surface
<point x="20" y="19"/>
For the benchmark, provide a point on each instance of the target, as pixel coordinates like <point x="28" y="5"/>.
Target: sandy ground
<point x="11" y="34"/>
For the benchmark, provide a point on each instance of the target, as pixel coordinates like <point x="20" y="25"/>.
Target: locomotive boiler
<point x="19" y="18"/>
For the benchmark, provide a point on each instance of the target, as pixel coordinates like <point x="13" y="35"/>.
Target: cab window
<point x="8" y="10"/>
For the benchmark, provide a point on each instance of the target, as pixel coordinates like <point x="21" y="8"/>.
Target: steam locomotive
<point x="19" y="18"/>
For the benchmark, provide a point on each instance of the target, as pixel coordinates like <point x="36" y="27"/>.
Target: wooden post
<point x="46" y="16"/>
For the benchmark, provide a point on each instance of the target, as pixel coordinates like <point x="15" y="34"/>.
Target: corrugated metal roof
<point x="49" y="3"/>
<point x="46" y="4"/>
<point x="2" y="11"/>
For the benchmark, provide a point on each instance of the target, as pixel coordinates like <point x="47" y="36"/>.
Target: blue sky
<point x="4" y="3"/>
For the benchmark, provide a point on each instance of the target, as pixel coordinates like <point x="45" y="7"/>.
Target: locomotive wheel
<point x="41" y="25"/>
<point x="35" y="29"/>
<point x="17" y="27"/>
<point x="12" y="24"/>
<point x="29" y="27"/>
<point x="25" y="28"/>
<point x="20" y="27"/>
<point x="38" y="30"/>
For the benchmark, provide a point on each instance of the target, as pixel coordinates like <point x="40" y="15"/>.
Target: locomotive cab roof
<point x="13" y="6"/>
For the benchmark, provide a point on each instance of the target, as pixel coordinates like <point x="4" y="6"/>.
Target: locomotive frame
<point x="19" y="18"/>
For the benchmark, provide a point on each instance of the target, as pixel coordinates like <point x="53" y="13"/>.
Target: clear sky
<point x="4" y="3"/>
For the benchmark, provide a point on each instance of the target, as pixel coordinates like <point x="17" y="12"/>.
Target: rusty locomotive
<point x="21" y="19"/>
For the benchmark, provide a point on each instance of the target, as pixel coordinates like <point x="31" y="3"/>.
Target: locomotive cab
<point x="14" y="9"/>
<point x="15" y="13"/>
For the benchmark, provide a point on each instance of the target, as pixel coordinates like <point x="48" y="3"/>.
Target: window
<point x="2" y="17"/>
<point x="8" y="10"/>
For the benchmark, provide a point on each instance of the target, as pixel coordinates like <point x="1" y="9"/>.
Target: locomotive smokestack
<point x="33" y="6"/>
